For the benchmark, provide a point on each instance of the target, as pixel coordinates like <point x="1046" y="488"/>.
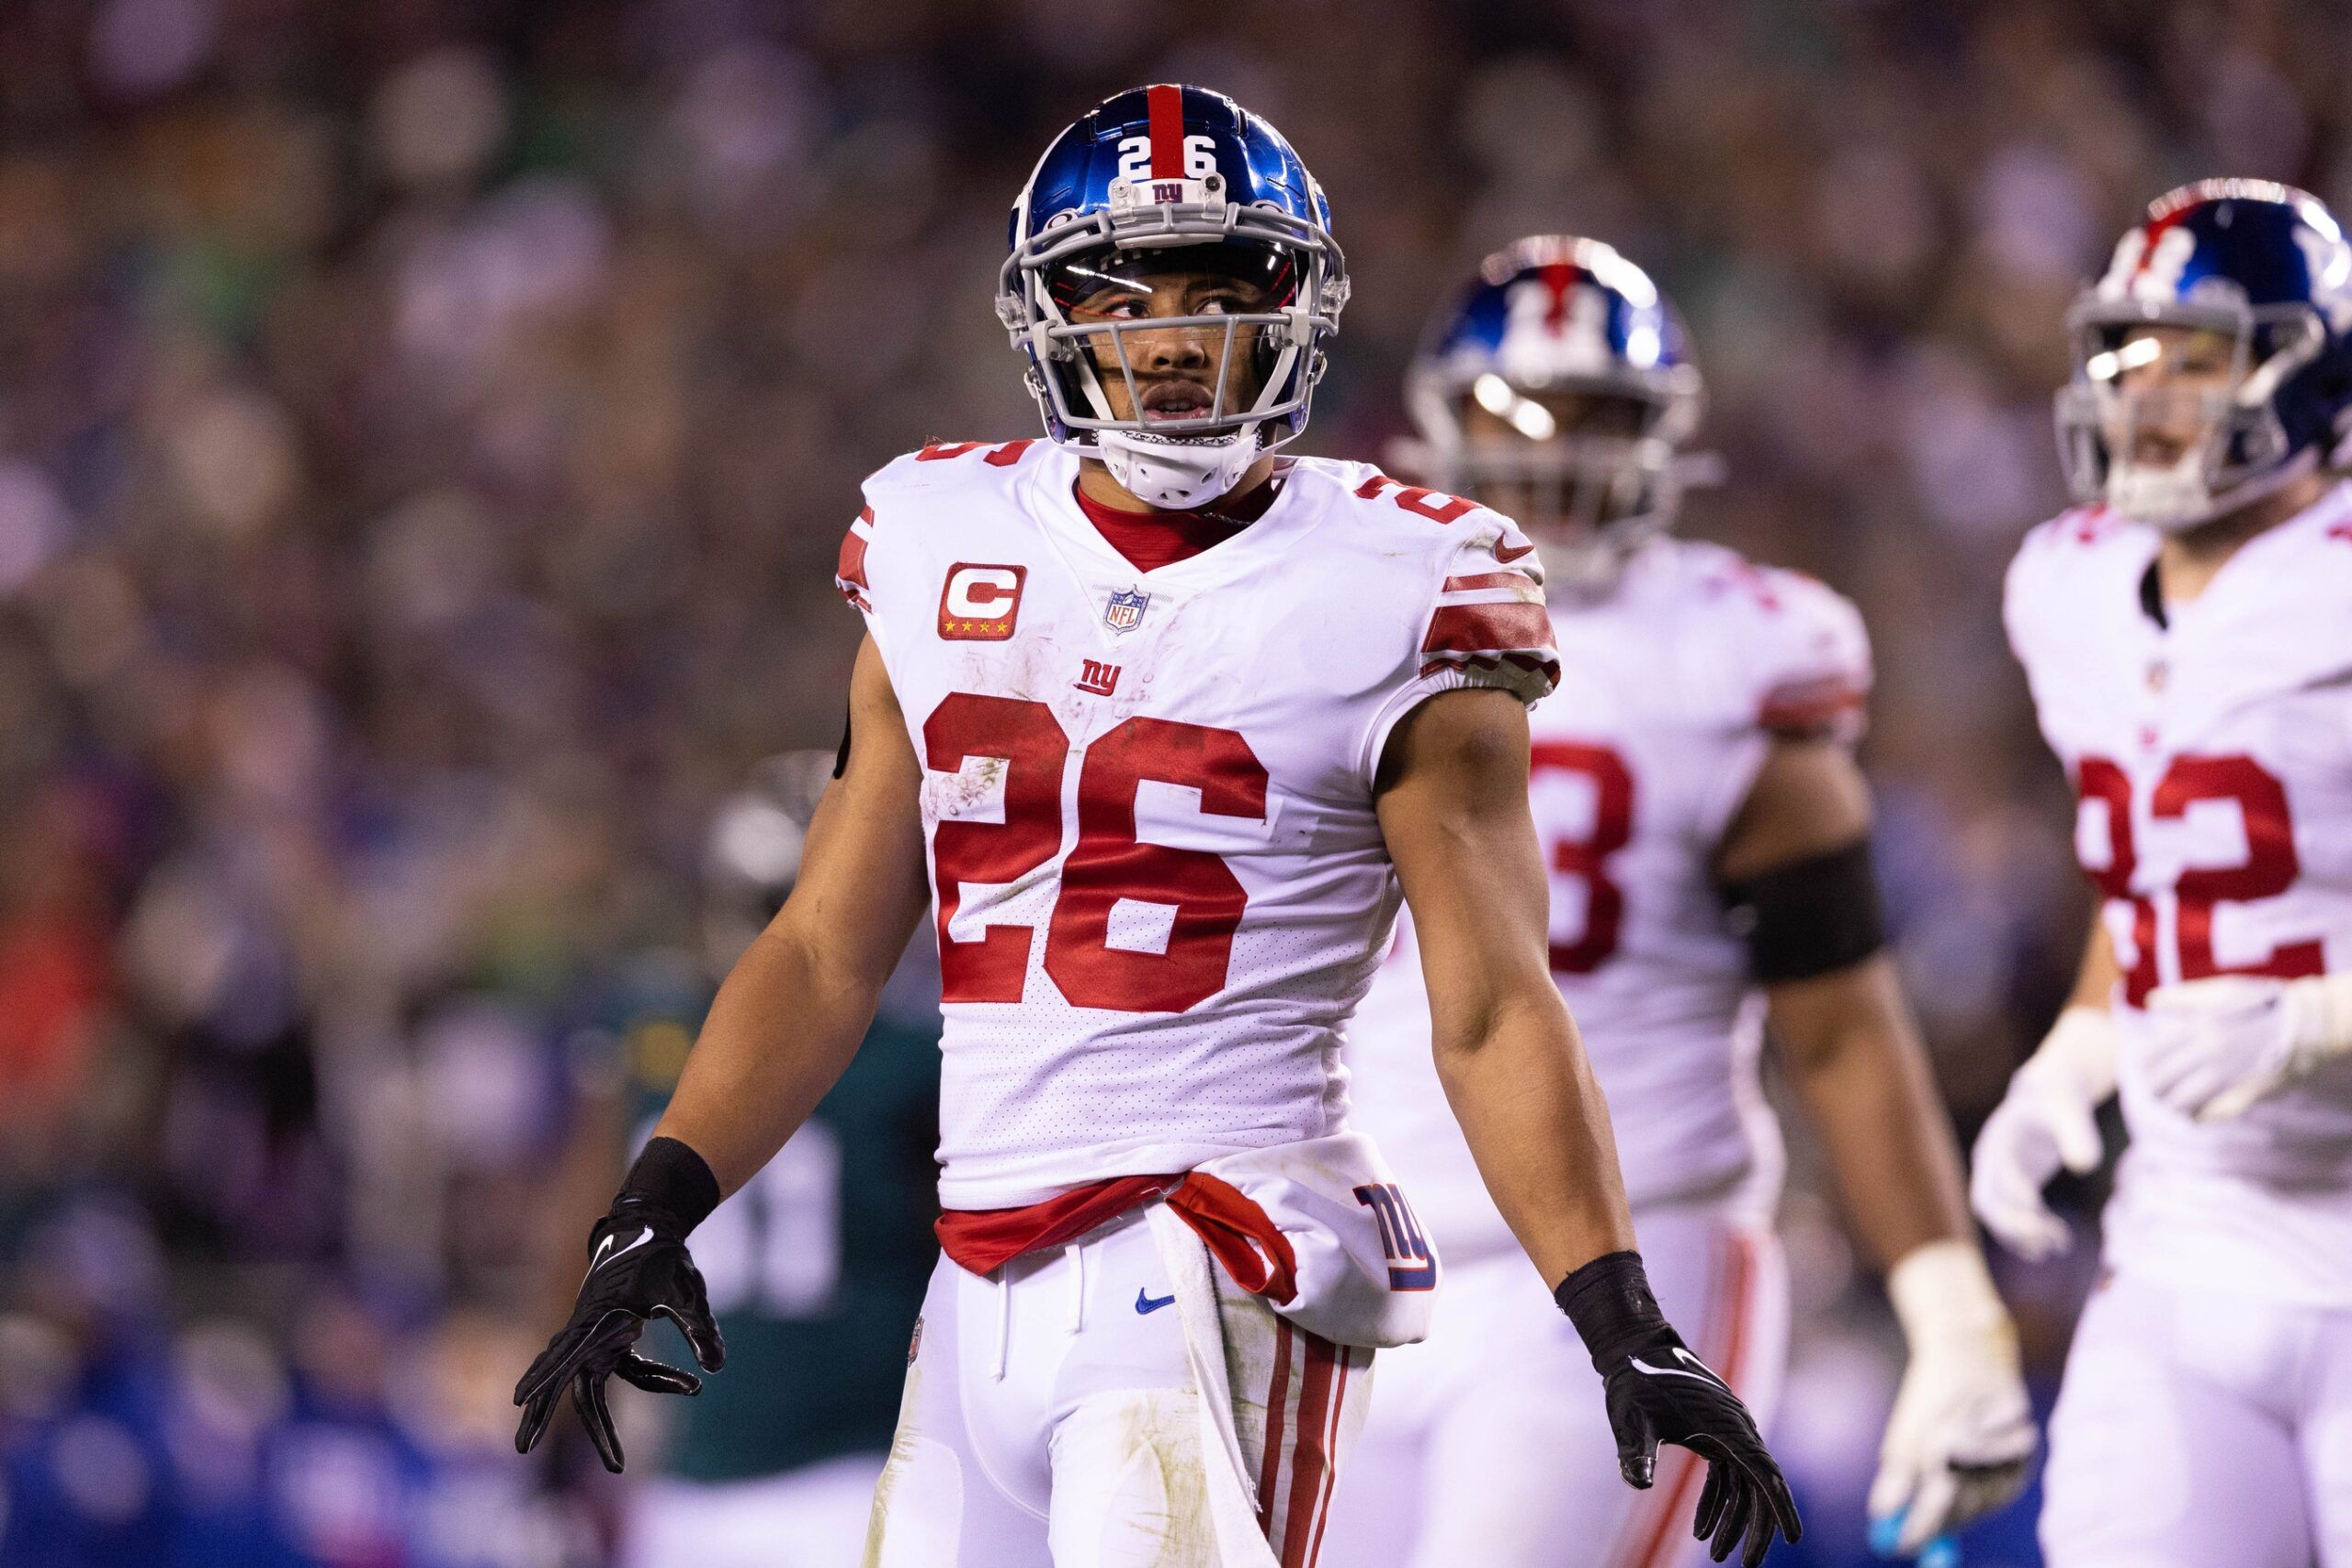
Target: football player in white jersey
<point x="1706" y="832"/>
<point x="1159" y="723"/>
<point x="2188" y="636"/>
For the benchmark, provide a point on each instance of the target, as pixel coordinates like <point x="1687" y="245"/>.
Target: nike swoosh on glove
<point x="1659" y="1393"/>
<point x="638" y="1269"/>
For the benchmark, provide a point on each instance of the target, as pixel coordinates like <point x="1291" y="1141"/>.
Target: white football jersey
<point x="2212" y="759"/>
<point x="1672" y="688"/>
<point x="1160" y="885"/>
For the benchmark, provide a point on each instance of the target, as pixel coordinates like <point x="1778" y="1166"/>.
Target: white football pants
<point x="1053" y="1416"/>
<point x="2198" y="1430"/>
<point x="1489" y="1443"/>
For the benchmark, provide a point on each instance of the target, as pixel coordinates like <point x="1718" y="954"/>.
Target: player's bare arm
<point x="1453" y="809"/>
<point x="1796" y="856"/>
<point x="1454" y="814"/>
<point x="2097" y="976"/>
<point x="1846" y="1035"/>
<point x="782" y="1029"/>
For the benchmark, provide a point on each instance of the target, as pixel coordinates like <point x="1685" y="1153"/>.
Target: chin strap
<point x="2173" y="498"/>
<point x="1177" y="476"/>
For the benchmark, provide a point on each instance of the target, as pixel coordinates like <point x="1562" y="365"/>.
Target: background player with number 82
<point x="2187" y="635"/>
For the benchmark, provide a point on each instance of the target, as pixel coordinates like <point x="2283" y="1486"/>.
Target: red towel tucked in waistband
<point x="1241" y="1234"/>
<point x="1238" y="1233"/>
<point x="981" y="1241"/>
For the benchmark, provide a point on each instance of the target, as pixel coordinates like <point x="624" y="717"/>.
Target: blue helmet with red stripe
<point x="2265" y="269"/>
<point x="1166" y="181"/>
<point x="1556" y="386"/>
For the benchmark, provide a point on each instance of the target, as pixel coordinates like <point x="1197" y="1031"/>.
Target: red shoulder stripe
<point x="1487" y="628"/>
<point x="1823" y="704"/>
<point x="849" y="571"/>
<point x="1516" y="580"/>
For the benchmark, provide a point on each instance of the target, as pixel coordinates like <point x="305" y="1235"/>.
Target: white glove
<point x="1961" y="1433"/>
<point x="2215" y="1047"/>
<point x="2048" y="1121"/>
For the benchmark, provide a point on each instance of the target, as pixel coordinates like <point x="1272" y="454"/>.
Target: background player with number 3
<point x="2188" y="636"/>
<point x="1707" y="832"/>
<point x="1157" y="723"/>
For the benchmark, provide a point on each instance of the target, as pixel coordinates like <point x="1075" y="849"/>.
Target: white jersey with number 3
<point x="2211" y="750"/>
<point x="1160" y="884"/>
<point x="1672" y="689"/>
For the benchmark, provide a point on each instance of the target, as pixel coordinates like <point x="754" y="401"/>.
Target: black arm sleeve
<point x="1811" y="918"/>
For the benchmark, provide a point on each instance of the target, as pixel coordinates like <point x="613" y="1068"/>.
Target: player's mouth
<point x="1166" y="402"/>
<point x="2157" y="451"/>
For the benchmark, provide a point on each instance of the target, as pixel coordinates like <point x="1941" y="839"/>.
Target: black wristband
<point x="1609" y="1300"/>
<point x="671" y="1177"/>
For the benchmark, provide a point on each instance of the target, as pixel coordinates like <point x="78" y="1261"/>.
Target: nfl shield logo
<point x="1124" y="612"/>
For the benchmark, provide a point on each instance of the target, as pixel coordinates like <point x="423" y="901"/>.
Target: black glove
<point x="1658" y="1392"/>
<point x="637" y="1269"/>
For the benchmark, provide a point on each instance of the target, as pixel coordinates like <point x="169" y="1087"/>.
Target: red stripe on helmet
<point x="1559" y="278"/>
<point x="1167" y="106"/>
<point x="2154" y="230"/>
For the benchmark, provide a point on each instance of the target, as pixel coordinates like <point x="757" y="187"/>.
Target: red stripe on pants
<point x="1332" y="1449"/>
<point x="1277" y="1401"/>
<point x="1310" y="1459"/>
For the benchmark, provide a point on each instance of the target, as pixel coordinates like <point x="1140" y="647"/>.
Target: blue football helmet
<point x="1173" y="180"/>
<point x="2265" y="267"/>
<point x="1556" y="387"/>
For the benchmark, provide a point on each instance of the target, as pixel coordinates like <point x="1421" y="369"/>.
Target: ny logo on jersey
<point x="979" y="604"/>
<point x="1411" y="1265"/>
<point x="1124" y="612"/>
<point x="1097" y="677"/>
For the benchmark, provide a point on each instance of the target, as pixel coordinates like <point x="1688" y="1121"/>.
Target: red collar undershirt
<point x="1153" y="539"/>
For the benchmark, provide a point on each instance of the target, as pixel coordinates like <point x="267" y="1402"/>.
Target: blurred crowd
<point x="425" y="429"/>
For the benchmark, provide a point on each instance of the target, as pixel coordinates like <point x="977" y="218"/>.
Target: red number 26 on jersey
<point x="1108" y="864"/>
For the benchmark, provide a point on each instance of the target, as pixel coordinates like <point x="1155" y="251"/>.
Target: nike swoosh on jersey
<point x="1148" y="1303"/>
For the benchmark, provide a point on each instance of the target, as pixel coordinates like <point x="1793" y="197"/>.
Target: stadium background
<point x="424" y="433"/>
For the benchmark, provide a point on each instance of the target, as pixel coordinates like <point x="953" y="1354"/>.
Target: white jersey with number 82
<point x="2211" y="750"/>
